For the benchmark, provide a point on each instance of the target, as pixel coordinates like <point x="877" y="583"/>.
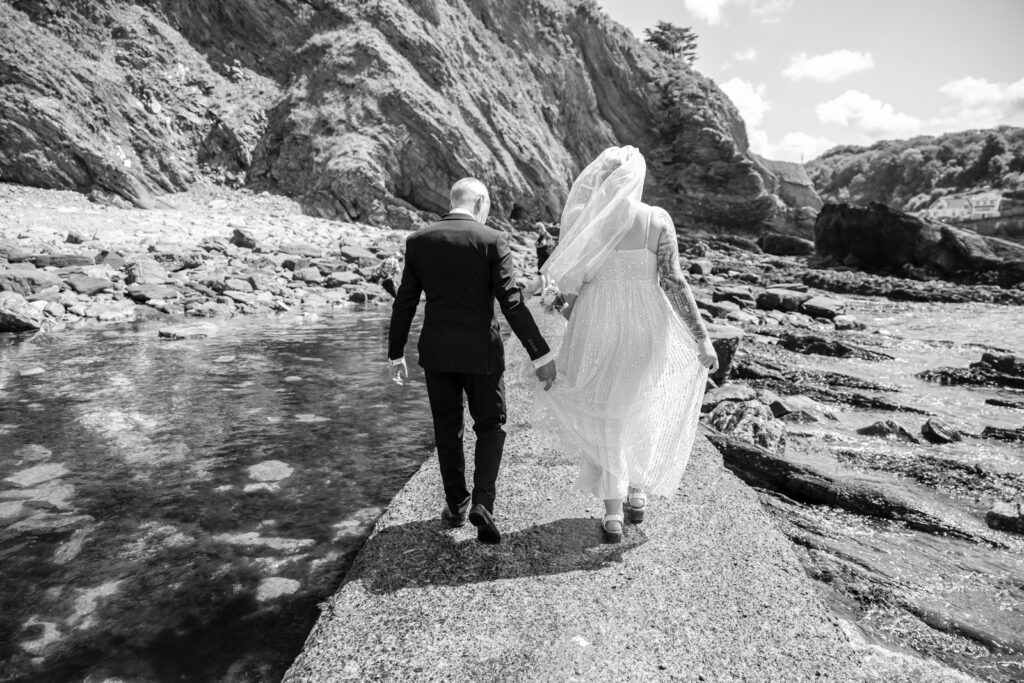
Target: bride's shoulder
<point x="660" y="219"/>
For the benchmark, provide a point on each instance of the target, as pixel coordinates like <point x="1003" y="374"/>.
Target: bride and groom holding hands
<point x="632" y="365"/>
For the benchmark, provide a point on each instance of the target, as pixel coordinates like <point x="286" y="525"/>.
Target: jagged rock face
<point x="791" y="183"/>
<point x="363" y="109"/>
<point x="107" y="97"/>
<point x="403" y="98"/>
<point x="879" y="238"/>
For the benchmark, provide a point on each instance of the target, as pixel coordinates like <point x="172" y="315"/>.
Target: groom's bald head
<point x="470" y="195"/>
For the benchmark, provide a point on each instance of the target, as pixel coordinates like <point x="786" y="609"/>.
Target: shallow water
<point x="960" y="602"/>
<point x="175" y="510"/>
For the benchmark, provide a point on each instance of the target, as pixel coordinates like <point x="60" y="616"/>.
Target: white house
<point x="981" y="205"/>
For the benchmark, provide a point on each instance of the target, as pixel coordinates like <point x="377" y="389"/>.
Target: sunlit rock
<point x="49" y="634"/>
<point x="274" y="587"/>
<point x="32" y="453"/>
<point x="53" y="494"/>
<point x="37" y="475"/>
<point x="358" y="524"/>
<point x="197" y="331"/>
<point x="87" y="601"/>
<point x="270" y="470"/>
<point x="11" y="509"/>
<point x="72" y="548"/>
<point x="50" y="523"/>
<point x="252" y="539"/>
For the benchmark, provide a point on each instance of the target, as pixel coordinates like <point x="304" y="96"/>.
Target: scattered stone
<point x="741" y="296"/>
<point x="1006" y="517"/>
<point x="197" y="331"/>
<point x="270" y="470"/>
<point x="847" y="322"/>
<point x="889" y="429"/>
<point x="311" y="274"/>
<point x="800" y="408"/>
<point x="274" y="587"/>
<point x="145" y="272"/>
<point x="110" y="258"/>
<point x="17" y="314"/>
<point x="238" y="285"/>
<point x="62" y="260"/>
<point x="113" y="311"/>
<point x="341" y="278"/>
<point x="359" y="256"/>
<point x="700" y="267"/>
<point x="83" y="284"/>
<point x="937" y="431"/>
<point x="301" y="249"/>
<point x="243" y="238"/>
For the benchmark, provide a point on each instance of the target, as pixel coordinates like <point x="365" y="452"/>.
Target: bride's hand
<point x="707" y="355"/>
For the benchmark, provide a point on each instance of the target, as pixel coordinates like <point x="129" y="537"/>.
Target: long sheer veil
<point x="598" y="213"/>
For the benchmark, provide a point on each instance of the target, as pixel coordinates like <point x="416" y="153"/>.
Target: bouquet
<point x="551" y="299"/>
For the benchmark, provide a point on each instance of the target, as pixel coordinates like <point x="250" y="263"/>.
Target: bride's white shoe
<point x="635" y="505"/>
<point x="611" y="525"/>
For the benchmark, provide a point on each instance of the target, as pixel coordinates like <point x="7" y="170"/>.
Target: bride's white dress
<point x="629" y="387"/>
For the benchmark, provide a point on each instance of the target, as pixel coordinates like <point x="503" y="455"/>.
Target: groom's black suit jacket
<point x="463" y="266"/>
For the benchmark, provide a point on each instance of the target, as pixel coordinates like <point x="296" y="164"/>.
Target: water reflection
<point x="177" y="509"/>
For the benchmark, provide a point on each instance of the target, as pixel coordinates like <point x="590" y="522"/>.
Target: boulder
<point x="359" y="256"/>
<point x="301" y="249"/>
<point x="243" y="238"/>
<point x="879" y="238"/>
<point x="197" y="331"/>
<point x="62" y="260"/>
<point x="145" y="272"/>
<point x="889" y="429"/>
<point x="800" y="408"/>
<point x="725" y="339"/>
<point x="820" y="346"/>
<point x="17" y="315"/>
<point x="718" y="309"/>
<point x="1003" y="434"/>
<point x="751" y="421"/>
<point x="781" y="299"/>
<point x="144" y="293"/>
<point x="785" y="245"/>
<point x="1004" y="362"/>
<point x="1006" y="517"/>
<point x="341" y="278"/>
<point x="937" y="431"/>
<point x="27" y="281"/>
<point x="311" y="274"/>
<point x="741" y="296"/>
<point x="83" y="284"/>
<point x="110" y="258"/>
<point x="823" y="307"/>
<point x="700" y="267"/>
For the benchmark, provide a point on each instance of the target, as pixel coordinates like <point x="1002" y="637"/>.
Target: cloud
<point x="854" y="109"/>
<point x="748" y="55"/>
<point x="978" y="103"/>
<point x="829" y="67"/>
<point x="768" y="11"/>
<point x="749" y="98"/>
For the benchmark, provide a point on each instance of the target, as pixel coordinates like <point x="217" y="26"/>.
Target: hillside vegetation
<point x="910" y="174"/>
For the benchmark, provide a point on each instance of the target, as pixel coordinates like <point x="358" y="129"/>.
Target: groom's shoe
<point x="486" y="530"/>
<point x="458" y="517"/>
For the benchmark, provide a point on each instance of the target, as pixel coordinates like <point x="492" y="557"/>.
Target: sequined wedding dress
<point x="630" y="384"/>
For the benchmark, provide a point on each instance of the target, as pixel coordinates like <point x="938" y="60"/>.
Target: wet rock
<point x="270" y="470"/>
<point x="1006" y="517"/>
<point x="243" y="238"/>
<point x="72" y="548"/>
<point x="785" y="245"/>
<point x="978" y="374"/>
<point x="728" y="392"/>
<point x="1003" y="434"/>
<point x="274" y="587"/>
<point x="83" y="284"/>
<point x="37" y="475"/>
<point x="827" y="347"/>
<point x="751" y="421"/>
<point x="1004" y="362"/>
<point x="111" y="311"/>
<point x="43" y="523"/>
<point x="801" y="408"/>
<point x="823" y="307"/>
<point x="937" y="431"/>
<point x="145" y="293"/>
<point x="847" y="322"/>
<point x="197" y="331"/>
<point x="17" y="315"/>
<point x="781" y="299"/>
<point x="725" y="339"/>
<point x="1005" y="403"/>
<point x="889" y="429"/>
<point x="901" y="289"/>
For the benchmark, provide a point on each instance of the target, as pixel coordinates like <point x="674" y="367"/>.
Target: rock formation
<point x="878" y="238"/>
<point x="363" y="110"/>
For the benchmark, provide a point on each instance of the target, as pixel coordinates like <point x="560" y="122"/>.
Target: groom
<point x="463" y="266"/>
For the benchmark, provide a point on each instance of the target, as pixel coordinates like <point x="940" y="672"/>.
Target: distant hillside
<point x="910" y="174"/>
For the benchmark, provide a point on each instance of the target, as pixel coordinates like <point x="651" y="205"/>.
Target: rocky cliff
<point x="363" y="110"/>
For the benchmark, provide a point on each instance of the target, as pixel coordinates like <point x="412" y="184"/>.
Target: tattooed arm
<point x="671" y="275"/>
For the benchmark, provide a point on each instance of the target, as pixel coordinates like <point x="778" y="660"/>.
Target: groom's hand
<point x="547" y="373"/>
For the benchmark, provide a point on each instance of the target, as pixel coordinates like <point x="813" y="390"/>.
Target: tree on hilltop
<point x="678" y="41"/>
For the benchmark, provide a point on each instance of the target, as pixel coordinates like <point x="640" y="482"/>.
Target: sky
<point x="807" y="75"/>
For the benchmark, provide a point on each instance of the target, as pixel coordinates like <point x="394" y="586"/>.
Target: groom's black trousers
<point x="486" y="395"/>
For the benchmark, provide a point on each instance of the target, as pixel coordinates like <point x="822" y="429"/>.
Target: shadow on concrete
<point x="427" y="552"/>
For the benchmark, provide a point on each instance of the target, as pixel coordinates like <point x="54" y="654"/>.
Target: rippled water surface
<point x="955" y="600"/>
<point x="174" y="510"/>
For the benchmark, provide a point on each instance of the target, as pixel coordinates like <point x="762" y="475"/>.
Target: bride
<point x="634" y="360"/>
